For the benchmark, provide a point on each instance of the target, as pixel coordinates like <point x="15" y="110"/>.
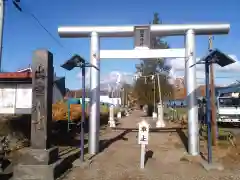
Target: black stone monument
<point x="39" y="161"/>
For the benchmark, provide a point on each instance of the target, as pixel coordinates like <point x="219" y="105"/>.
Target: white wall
<point x="17" y="98"/>
<point x="106" y="99"/>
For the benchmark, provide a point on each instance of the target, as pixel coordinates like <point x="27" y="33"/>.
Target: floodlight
<point x="74" y="61"/>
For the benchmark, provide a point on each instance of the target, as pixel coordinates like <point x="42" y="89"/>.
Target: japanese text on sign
<point x="142" y="37"/>
<point x="143" y="132"/>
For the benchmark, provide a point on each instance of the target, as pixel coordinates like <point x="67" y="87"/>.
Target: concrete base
<point x="190" y="158"/>
<point x="84" y="165"/>
<point x="38" y="164"/>
<point x="34" y="172"/>
<point x="198" y="159"/>
<point x="38" y="156"/>
<point x="212" y="166"/>
<point x="160" y="123"/>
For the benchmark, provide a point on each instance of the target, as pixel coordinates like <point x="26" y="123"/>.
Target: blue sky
<point x="22" y="35"/>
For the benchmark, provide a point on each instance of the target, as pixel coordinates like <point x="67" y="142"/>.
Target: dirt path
<point x="120" y="159"/>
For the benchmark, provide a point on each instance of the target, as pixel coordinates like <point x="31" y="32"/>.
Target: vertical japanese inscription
<point x="42" y="83"/>
<point x="143" y="132"/>
<point x="39" y="89"/>
<point x="143" y="129"/>
<point x="142" y="36"/>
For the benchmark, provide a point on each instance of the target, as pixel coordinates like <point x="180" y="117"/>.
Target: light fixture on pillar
<point x="217" y="57"/>
<point x="78" y="61"/>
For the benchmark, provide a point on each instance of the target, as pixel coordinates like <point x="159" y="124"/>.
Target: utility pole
<point x="212" y="88"/>
<point x="2" y="8"/>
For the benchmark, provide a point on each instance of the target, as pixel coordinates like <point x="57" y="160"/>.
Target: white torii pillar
<point x="187" y="30"/>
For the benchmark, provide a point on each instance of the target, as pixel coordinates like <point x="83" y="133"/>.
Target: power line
<point x="28" y="12"/>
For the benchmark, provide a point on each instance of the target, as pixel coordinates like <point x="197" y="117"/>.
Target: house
<point x="16" y="91"/>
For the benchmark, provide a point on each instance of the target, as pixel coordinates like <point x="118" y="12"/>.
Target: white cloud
<point x="179" y="67"/>
<point x="113" y="79"/>
<point x="178" y="64"/>
<point x="177" y="71"/>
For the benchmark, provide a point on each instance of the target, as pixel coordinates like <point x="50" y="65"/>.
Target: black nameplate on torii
<point x="42" y="89"/>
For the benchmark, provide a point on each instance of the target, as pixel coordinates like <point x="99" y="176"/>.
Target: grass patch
<point x="176" y="113"/>
<point x="223" y="135"/>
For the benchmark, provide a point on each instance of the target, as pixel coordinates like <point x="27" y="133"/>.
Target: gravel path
<point x="120" y="160"/>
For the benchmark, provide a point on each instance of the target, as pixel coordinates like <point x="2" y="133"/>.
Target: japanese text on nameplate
<point x="143" y="134"/>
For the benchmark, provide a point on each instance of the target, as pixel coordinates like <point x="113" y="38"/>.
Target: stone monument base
<point x="34" y="172"/>
<point x="36" y="164"/>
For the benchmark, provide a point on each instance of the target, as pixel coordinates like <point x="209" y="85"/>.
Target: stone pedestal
<point x="154" y="115"/>
<point x="38" y="156"/>
<point x="37" y="164"/>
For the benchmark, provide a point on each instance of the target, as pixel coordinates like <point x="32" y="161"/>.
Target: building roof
<point x="29" y="69"/>
<point x="24" y="76"/>
<point x="228" y="89"/>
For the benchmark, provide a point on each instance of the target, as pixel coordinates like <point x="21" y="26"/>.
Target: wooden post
<point x="212" y="89"/>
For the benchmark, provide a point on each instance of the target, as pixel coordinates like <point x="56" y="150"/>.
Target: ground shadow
<point x="7" y="170"/>
<point x="148" y="155"/>
<point x="5" y="176"/>
<point x="19" y="127"/>
<point x="203" y="156"/>
<point x="183" y="137"/>
<point x="153" y="130"/>
<point x="64" y="136"/>
<point x="104" y="144"/>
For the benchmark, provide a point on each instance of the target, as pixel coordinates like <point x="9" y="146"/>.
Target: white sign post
<point x="143" y="135"/>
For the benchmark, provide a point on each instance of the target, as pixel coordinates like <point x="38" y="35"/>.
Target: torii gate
<point x="142" y="38"/>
